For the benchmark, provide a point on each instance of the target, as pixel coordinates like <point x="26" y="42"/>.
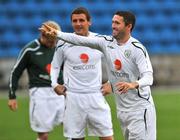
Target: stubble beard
<point x="120" y="35"/>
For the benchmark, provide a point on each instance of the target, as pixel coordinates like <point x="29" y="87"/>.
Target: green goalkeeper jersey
<point x="36" y="58"/>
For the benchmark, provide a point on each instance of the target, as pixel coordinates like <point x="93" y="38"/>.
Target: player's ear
<point x="90" y="23"/>
<point x="129" y="26"/>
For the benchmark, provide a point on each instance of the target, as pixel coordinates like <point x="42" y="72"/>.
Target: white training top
<point x="81" y="67"/>
<point x="128" y="62"/>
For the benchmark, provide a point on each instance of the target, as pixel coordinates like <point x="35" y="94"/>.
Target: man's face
<point x="48" y="41"/>
<point x="119" y="30"/>
<point x="80" y="24"/>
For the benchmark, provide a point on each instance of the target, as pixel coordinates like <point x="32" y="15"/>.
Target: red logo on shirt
<point x="48" y="68"/>
<point x="84" y="58"/>
<point x="117" y="64"/>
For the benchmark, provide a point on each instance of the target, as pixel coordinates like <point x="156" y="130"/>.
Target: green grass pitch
<point x="15" y="125"/>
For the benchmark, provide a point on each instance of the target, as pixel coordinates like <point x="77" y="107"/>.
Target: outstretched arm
<point x="92" y="42"/>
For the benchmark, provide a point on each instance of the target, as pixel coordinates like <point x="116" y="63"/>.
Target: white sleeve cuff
<point x="146" y="80"/>
<point x="54" y="85"/>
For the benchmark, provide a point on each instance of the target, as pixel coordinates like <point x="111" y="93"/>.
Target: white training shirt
<point x="82" y="67"/>
<point x="128" y="62"/>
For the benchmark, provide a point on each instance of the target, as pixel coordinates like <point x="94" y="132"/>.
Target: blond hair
<point x="53" y="24"/>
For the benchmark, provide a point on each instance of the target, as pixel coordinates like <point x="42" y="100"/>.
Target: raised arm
<point x="92" y="42"/>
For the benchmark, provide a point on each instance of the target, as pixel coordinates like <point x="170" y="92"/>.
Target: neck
<point x="41" y="41"/>
<point x="123" y="40"/>
<point x="85" y="34"/>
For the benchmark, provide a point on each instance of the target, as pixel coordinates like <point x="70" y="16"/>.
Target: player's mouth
<point x="114" y="31"/>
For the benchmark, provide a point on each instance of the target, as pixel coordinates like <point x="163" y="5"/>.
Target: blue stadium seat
<point x="167" y="35"/>
<point x="151" y="35"/>
<point x="175" y="19"/>
<point x="9" y="36"/>
<point x="175" y="49"/>
<point x="13" y="52"/>
<point x="104" y="22"/>
<point x="159" y="19"/>
<point x="26" y="37"/>
<point x="21" y="23"/>
<point x="155" y="49"/>
<point x="36" y="21"/>
<point x="150" y="7"/>
<point x="13" y="9"/>
<point x="142" y="20"/>
<point x="5" y="22"/>
<point x="9" y="44"/>
<point x="170" y="6"/>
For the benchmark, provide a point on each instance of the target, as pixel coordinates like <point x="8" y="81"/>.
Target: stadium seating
<point x="157" y="26"/>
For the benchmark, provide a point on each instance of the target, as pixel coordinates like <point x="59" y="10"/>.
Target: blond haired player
<point x="46" y="107"/>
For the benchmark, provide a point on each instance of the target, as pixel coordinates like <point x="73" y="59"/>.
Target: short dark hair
<point x="129" y="17"/>
<point x="81" y="10"/>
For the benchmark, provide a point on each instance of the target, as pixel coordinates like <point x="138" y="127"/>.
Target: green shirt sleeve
<point x="16" y="73"/>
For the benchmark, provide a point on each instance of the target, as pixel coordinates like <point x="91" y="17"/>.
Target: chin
<point x="79" y="33"/>
<point x="114" y="35"/>
<point x="50" y="46"/>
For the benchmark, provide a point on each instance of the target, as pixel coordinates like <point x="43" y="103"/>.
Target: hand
<point x="106" y="89"/>
<point x="60" y="90"/>
<point x="123" y="87"/>
<point x="12" y="103"/>
<point x="48" y="31"/>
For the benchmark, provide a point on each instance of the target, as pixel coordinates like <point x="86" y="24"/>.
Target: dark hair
<point x="81" y="10"/>
<point x="129" y="17"/>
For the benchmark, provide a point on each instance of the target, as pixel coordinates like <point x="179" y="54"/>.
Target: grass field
<point x="15" y="125"/>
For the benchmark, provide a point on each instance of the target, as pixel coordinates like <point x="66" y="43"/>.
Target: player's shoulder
<point x="137" y="45"/>
<point x="32" y="45"/>
<point x="62" y="45"/>
<point x="106" y="37"/>
<point x="92" y="34"/>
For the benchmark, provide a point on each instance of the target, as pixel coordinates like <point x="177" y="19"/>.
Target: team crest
<point x="127" y="53"/>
